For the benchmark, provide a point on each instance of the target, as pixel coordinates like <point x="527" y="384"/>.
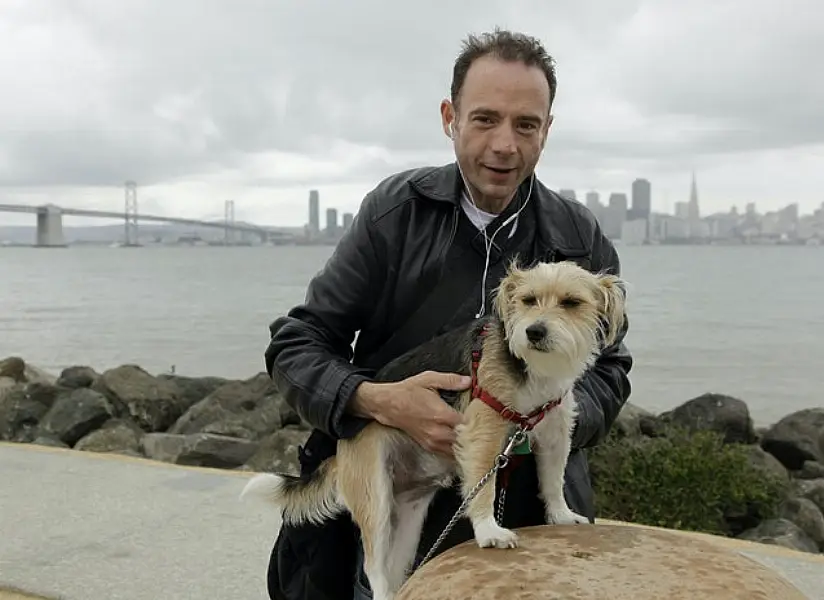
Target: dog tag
<point x="523" y="448"/>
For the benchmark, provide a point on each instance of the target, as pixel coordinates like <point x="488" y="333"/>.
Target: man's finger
<point x="445" y="381"/>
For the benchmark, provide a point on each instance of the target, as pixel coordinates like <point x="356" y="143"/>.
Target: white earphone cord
<point x="489" y="240"/>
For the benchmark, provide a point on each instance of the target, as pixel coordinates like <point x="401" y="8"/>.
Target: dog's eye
<point x="530" y="300"/>
<point x="570" y="302"/>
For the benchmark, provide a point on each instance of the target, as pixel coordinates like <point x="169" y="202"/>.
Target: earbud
<point x="452" y="130"/>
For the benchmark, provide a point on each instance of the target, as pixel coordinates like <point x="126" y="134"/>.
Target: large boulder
<point x="75" y="414"/>
<point x="780" y="532"/>
<point x="631" y="421"/>
<point x="278" y="453"/>
<point x="118" y="436"/>
<point x="22" y="406"/>
<point x="807" y="516"/>
<point x="198" y="449"/>
<point x="811" y="489"/>
<point x="589" y="562"/>
<point x="250" y="409"/>
<point x="797" y="438"/>
<point x="714" y="412"/>
<point x="152" y="403"/>
<point x="78" y="376"/>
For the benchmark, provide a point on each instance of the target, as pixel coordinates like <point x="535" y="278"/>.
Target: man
<point x="412" y="266"/>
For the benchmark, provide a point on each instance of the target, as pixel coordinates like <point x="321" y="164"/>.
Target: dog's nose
<point x="536" y="332"/>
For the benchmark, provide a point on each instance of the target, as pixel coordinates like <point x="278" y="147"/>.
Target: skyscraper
<point x="314" y="211"/>
<point x="693" y="211"/>
<point x="641" y="200"/>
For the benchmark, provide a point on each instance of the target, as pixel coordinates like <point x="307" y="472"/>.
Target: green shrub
<point x="682" y="480"/>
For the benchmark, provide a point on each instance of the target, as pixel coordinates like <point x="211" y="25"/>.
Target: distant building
<point x="348" y="218"/>
<point x="641" y="200"/>
<point x="569" y="194"/>
<point x="314" y="211"/>
<point x="331" y="222"/>
<point x="615" y="215"/>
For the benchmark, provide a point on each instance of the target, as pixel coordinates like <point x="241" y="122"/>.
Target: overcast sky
<point x="259" y="101"/>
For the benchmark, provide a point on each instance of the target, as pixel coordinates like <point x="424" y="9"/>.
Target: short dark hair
<point x="508" y="46"/>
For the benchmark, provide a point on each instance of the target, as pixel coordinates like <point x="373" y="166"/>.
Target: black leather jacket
<point x="379" y="272"/>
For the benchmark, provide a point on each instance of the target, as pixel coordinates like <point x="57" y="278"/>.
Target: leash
<point x="501" y="462"/>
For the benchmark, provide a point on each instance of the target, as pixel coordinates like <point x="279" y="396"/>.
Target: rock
<point x="797" y="438"/>
<point x="603" y="561"/>
<point x="117" y="436"/>
<point x="739" y="520"/>
<point x="249" y="409"/>
<point x="278" y="453"/>
<point x="199" y="449"/>
<point x="14" y="368"/>
<point x="780" y="532"/>
<point x="21" y="409"/>
<point x="74" y="414"/>
<point x="812" y="489"/>
<point x="807" y="516"/>
<point x="77" y="377"/>
<point x="715" y="412"/>
<point x="194" y="389"/>
<point x="770" y="465"/>
<point x="810" y="470"/>
<point x="14" y="371"/>
<point x="44" y="440"/>
<point x="628" y="421"/>
<point x="153" y="404"/>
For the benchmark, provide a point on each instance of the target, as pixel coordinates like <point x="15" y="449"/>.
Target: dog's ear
<point x="509" y="283"/>
<point x="612" y="297"/>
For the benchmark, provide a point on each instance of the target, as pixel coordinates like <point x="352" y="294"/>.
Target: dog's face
<point x="557" y="315"/>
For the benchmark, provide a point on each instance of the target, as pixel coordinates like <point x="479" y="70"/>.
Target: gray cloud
<point x="157" y="91"/>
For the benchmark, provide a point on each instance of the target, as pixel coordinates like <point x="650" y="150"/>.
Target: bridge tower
<point x="49" y="227"/>
<point x="229" y="223"/>
<point x="130" y="214"/>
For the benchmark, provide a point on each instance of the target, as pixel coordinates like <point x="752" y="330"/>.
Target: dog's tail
<point x="313" y="499"/>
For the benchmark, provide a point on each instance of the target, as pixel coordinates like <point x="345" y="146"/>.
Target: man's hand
<point x="415" y="406"/>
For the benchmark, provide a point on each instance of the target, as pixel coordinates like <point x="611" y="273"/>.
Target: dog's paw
<point x="489" y="534"/>
<point x="565" y="517"/>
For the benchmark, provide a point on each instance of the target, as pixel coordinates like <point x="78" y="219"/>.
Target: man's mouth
<point x="500" y="170"/>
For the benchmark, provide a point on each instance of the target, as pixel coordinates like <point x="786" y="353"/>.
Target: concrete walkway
<point x="84" y="526"/>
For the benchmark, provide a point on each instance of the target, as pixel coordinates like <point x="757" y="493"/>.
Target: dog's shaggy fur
<point x="549" y="324"/>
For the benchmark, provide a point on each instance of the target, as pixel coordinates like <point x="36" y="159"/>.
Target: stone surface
<point x="715" y="412"/>
<point x="797" y="438"/>
<point x="596" y="562"/>
<point x="781" y="532"/>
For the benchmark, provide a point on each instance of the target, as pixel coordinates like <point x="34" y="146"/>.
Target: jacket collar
<point x="557" y="225"/>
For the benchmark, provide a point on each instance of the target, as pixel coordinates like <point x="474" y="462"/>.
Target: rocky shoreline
<point x="246" y="425"/>
<point x="197" y="421"/>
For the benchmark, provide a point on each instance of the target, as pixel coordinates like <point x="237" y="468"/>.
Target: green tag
<point x="523" y="448"/>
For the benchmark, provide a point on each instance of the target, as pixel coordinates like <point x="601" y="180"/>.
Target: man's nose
<point x="503" y="139"/>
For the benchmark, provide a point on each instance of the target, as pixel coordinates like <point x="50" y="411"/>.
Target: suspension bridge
<point x="50" y="221"/>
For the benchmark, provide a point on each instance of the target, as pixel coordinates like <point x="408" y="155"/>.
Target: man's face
<point x="501" y="125"/>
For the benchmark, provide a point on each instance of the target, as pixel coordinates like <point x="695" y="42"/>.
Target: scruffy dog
<point x="549" y="324"/>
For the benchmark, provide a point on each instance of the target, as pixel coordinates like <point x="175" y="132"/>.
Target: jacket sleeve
<point x="604" y="389"/>
<point x="310" y="350"/>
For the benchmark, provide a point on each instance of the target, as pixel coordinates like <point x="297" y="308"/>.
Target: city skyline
<point x="633" y="220"/>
